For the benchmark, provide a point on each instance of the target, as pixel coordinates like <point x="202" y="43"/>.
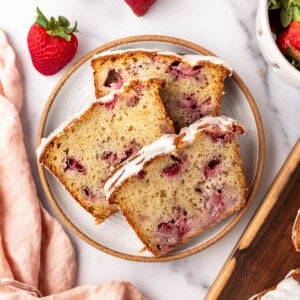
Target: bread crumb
<point x="261" y="72"/>
<point x="143" y="249"/>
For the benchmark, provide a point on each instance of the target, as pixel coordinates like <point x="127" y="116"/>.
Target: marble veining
<point x="254" y="51"/>
<point x="225" y="27"/>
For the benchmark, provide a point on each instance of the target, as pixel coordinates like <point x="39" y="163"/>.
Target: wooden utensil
<point x="265" y="252"/>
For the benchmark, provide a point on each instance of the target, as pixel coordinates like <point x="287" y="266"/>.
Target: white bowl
<point x="269" y="49"/>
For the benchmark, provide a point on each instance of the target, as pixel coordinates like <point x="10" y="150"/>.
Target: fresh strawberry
<point x="289" y="42"/>
<point x="140" y="7"/>
<point x="51" y="43"/>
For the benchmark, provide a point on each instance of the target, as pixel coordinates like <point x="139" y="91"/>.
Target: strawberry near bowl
<point x="271" y="33"/>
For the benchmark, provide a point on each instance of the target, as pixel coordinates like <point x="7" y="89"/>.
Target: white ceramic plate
<point x="114" y="236"/>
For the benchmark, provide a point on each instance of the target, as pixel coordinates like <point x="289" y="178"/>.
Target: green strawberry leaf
<point x="274" y="4"/>
<point x="296" y="14"/>
<point x="296" y="3"/>
<point x="52" y="23"/>
<point x="41" y="20"/>
<point x="60" y="27"/>
<point x="60" y="32"/>
<point x="73" y="29"/>
<point x="63" y="21"/>
<point x="286" y="16"/>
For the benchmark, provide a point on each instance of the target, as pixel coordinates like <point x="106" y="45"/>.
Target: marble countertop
<point x="225" y="27"/>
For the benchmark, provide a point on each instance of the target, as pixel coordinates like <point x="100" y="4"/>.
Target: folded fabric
<point x="31" y="263"/>
<point x="114" y="290"/>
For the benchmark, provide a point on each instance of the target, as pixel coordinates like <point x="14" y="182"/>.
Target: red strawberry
<point x="289" y="42"/>
<point x="51" y="43"/>
<point x="140" y="7"/>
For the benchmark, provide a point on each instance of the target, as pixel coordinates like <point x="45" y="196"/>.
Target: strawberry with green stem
<point x="51" y="43"/>
<point x="288" y="39"/>
<point x="289" y="10"/>
<point x="140" y="7"/>
<point x="288" y="42"/>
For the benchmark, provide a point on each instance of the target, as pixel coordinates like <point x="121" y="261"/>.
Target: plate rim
<point x="171" y="40"/>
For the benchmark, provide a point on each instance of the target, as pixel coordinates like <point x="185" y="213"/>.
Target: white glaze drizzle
<point x="195" y="59"/>
<point x="164" y="145"/>
<point x="222" y="122"/>
<point x="288" y="288"/>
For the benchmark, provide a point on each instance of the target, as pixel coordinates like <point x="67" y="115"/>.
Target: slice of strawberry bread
<point x="82" y="153"/>
<point x="194" y="83"/>
<point x="181" y="185"/>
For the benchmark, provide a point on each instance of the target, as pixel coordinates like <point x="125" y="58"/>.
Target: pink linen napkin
<point x="31" y="261"/>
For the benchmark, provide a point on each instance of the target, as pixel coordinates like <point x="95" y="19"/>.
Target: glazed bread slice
<point x="287" y="289"/>
<point x="82" y="153"/>
<point x="181" y="185"/>
<point x="194" y="83"/>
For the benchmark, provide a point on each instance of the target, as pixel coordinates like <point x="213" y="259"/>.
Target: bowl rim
<point x="264" y="20"/>
<point x="235" y="219"/>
